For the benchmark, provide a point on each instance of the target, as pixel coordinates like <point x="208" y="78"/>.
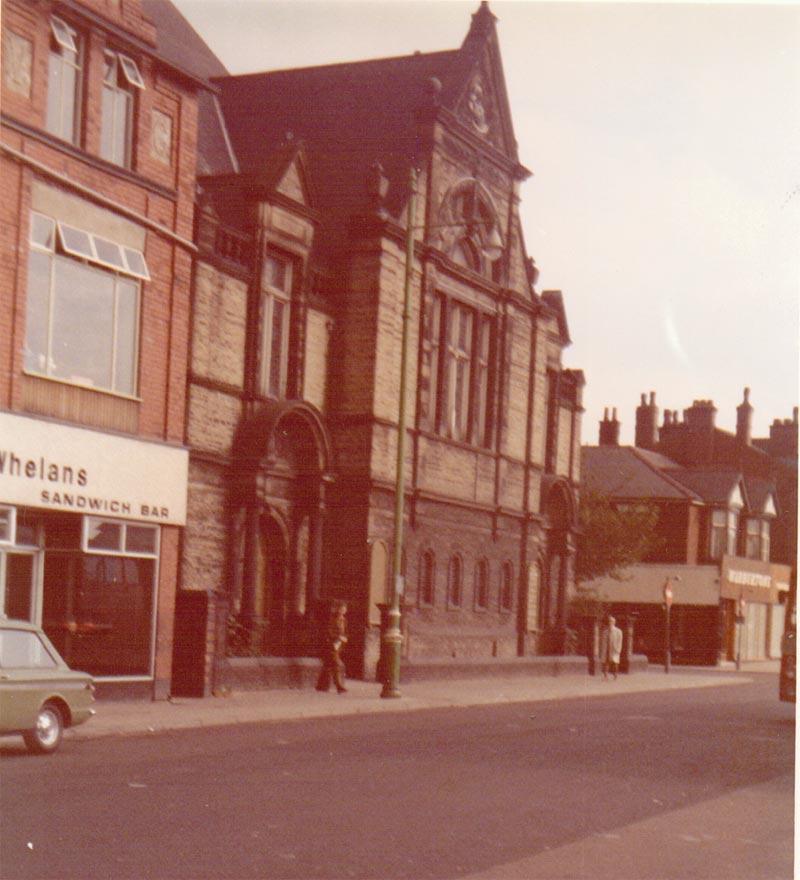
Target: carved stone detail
<point x="17" y="63"/>
<point x="161" y="137"/>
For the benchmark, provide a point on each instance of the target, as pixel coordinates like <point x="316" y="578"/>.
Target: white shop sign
<point x="60" y="467"/>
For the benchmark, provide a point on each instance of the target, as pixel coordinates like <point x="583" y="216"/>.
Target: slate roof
<point x="350" y="115"/>
<point x="181" y="45"/>
<point x="758" y="491"/>
<point x="625" y="472"/>
<point x="347" y="116"/>
<point x="714" y="487"/>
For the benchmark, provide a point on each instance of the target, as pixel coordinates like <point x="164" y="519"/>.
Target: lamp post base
<point x="392" y="642"/>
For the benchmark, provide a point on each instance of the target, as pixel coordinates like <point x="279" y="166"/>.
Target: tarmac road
<point x="681" y="783"/>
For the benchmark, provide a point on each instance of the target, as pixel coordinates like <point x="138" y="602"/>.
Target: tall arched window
<point x="474" y="240"/>
<point x="482" y="584"/>
<point x="507" y="587"/>
<point x="455" y="579"/>
<point x="427" y="578"/>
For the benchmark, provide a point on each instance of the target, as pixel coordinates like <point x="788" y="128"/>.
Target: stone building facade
<point x="292" y="417"/>
<point x="97" y="169"/>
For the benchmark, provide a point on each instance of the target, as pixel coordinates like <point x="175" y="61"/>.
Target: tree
<point x="613" y="536"/>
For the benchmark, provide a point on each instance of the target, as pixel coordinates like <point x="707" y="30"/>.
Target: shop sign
<point x="752" y="579"/>
<point x="61" y="467"/>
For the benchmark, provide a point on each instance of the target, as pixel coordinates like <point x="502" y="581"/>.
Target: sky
<point x="664" y="141"/>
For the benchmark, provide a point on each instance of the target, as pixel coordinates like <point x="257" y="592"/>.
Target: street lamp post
<point x="668" y="596"/>
<point x="393" y="637"/>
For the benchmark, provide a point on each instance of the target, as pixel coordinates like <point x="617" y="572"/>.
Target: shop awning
<point x="644" y="584"/>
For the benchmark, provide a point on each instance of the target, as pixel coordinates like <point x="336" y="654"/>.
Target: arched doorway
<point x="277" y="503"/>
<point x="271" y="580"/>
<point x="558" y="566"/>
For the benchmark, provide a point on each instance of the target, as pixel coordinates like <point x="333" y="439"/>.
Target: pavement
<point x="121" y="718"/>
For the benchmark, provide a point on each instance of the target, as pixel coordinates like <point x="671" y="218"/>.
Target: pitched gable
<point x="293" y="184"/>
<point x="477" y="92"/>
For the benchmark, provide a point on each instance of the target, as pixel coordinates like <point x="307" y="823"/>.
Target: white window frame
<point x="68" y="55"/>
<point x="765" y="538"/>
<point x="63" y="34"/>
<point x="718" y="533"/>
<point x="90" y="521"/>
<point x="126" y="256"/>
<point x="459" y="364"/>
<point x="270" y="294"/>
<point x="123" y="78"/>
<point x="11" y="540"/>
<point x="88" y="256"/>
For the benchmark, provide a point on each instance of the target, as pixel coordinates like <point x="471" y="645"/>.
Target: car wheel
<point x="46" y="736"/>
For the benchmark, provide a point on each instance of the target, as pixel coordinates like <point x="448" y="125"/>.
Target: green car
<point x="40" y="695"/>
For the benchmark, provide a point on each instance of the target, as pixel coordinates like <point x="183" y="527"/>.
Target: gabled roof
<point x="714" y="487"/>
<point x="179" y="42"/>
<point x="351" y="115"/>
<point x="554" y="299"/>
<point x="625" y="472"/>
<point x="760" y="494"/>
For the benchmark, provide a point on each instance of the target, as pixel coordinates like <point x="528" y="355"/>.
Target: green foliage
<point x="612" y="537"/>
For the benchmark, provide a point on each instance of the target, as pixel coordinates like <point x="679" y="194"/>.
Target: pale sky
<point x="665" y="202"/>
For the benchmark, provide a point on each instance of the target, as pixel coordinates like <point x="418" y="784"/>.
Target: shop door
<point x="18" y="584"/>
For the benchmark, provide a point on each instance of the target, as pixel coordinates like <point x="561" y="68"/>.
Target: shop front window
<point x="99" y="594"/>
<point x="17" y="567"/>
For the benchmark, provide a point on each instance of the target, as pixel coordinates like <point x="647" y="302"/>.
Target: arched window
<point x="482" y="584"/>
<point x="455" y="578"/>
<point x="507" y="587"/>
<point x="474" y="239"/>
<point x="427" y="579"/>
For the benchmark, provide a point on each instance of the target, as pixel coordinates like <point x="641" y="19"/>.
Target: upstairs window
<point x="121" y="80"/>
<point x="752" y="543"/>
<point x="718" y="538"/>
<point x="470" y="231"/>
<point x="82" y="318"/>
<point x="723" y="533"/>
<point x="733" y="532"/>
<point x="64" y="82"/>
<point x="457" y="371"/>
<point x="765" y="537"/>
<point x="276" y="286"/>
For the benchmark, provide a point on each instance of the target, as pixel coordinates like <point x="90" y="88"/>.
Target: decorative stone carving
<point x="161" y="137"/>
<point x="17" y="63"/>
<point x="476" y="104"/>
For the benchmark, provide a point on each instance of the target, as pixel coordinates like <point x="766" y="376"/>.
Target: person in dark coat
<point x="335" y="639"/>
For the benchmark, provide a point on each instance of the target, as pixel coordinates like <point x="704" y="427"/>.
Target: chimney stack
<point x="609" y="429"/>
<point x="744" y="420"/>
<point x="647" y="423"/>
<point x="701" y="415"/>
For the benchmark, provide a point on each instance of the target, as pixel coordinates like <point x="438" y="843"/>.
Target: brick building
<point x="97" y="167"/>
<point x="727" y="528"/>
<point x="295" y="361"/>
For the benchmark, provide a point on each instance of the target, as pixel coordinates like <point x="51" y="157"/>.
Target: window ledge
<point x="84" y="386"/>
